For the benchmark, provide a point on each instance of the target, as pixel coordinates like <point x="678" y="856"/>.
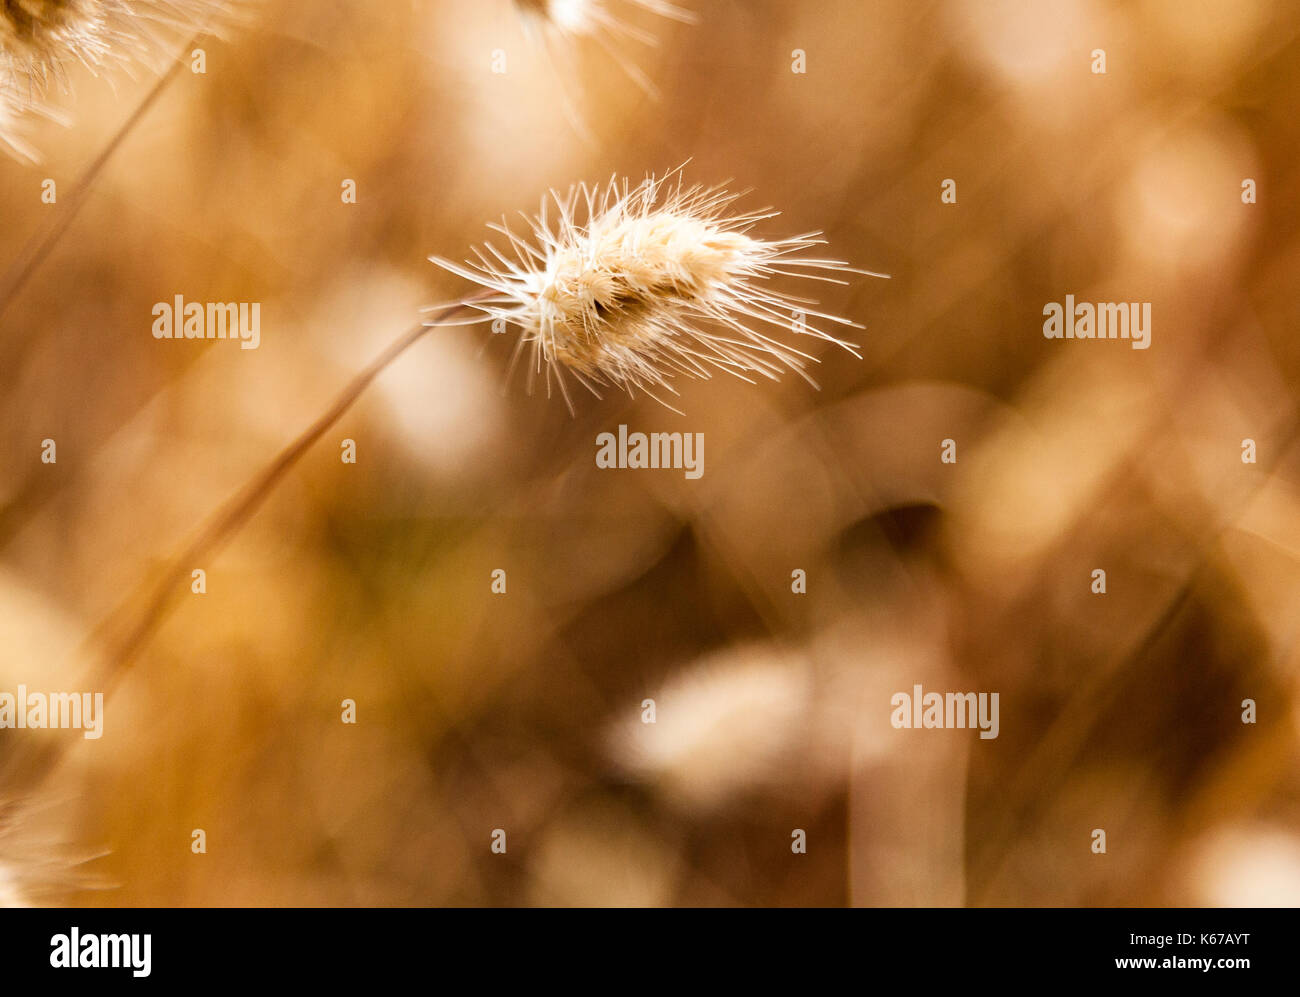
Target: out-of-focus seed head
<point x="41" y="40"/>
<point x="588" y="17"/>
<point x="36" y="865"/>
<point x="602" y="22"/>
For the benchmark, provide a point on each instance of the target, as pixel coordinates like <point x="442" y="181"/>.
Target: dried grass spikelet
<point x="40" y="40"/>
<point x="629" y="286"/>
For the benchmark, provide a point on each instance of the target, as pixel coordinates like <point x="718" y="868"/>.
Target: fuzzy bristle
<point x="629" y="286"/>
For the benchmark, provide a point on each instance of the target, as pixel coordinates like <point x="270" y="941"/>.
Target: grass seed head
<point x="41" y="40"/>
<point x="629" y="286"/>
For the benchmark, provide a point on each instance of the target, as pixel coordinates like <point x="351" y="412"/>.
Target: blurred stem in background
<point x="236" y="512"/>
<point x="43" y="243"/>
<point x="155" y="601"/>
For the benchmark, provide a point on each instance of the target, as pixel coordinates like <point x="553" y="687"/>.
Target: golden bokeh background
<point x="478" y="711"/>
